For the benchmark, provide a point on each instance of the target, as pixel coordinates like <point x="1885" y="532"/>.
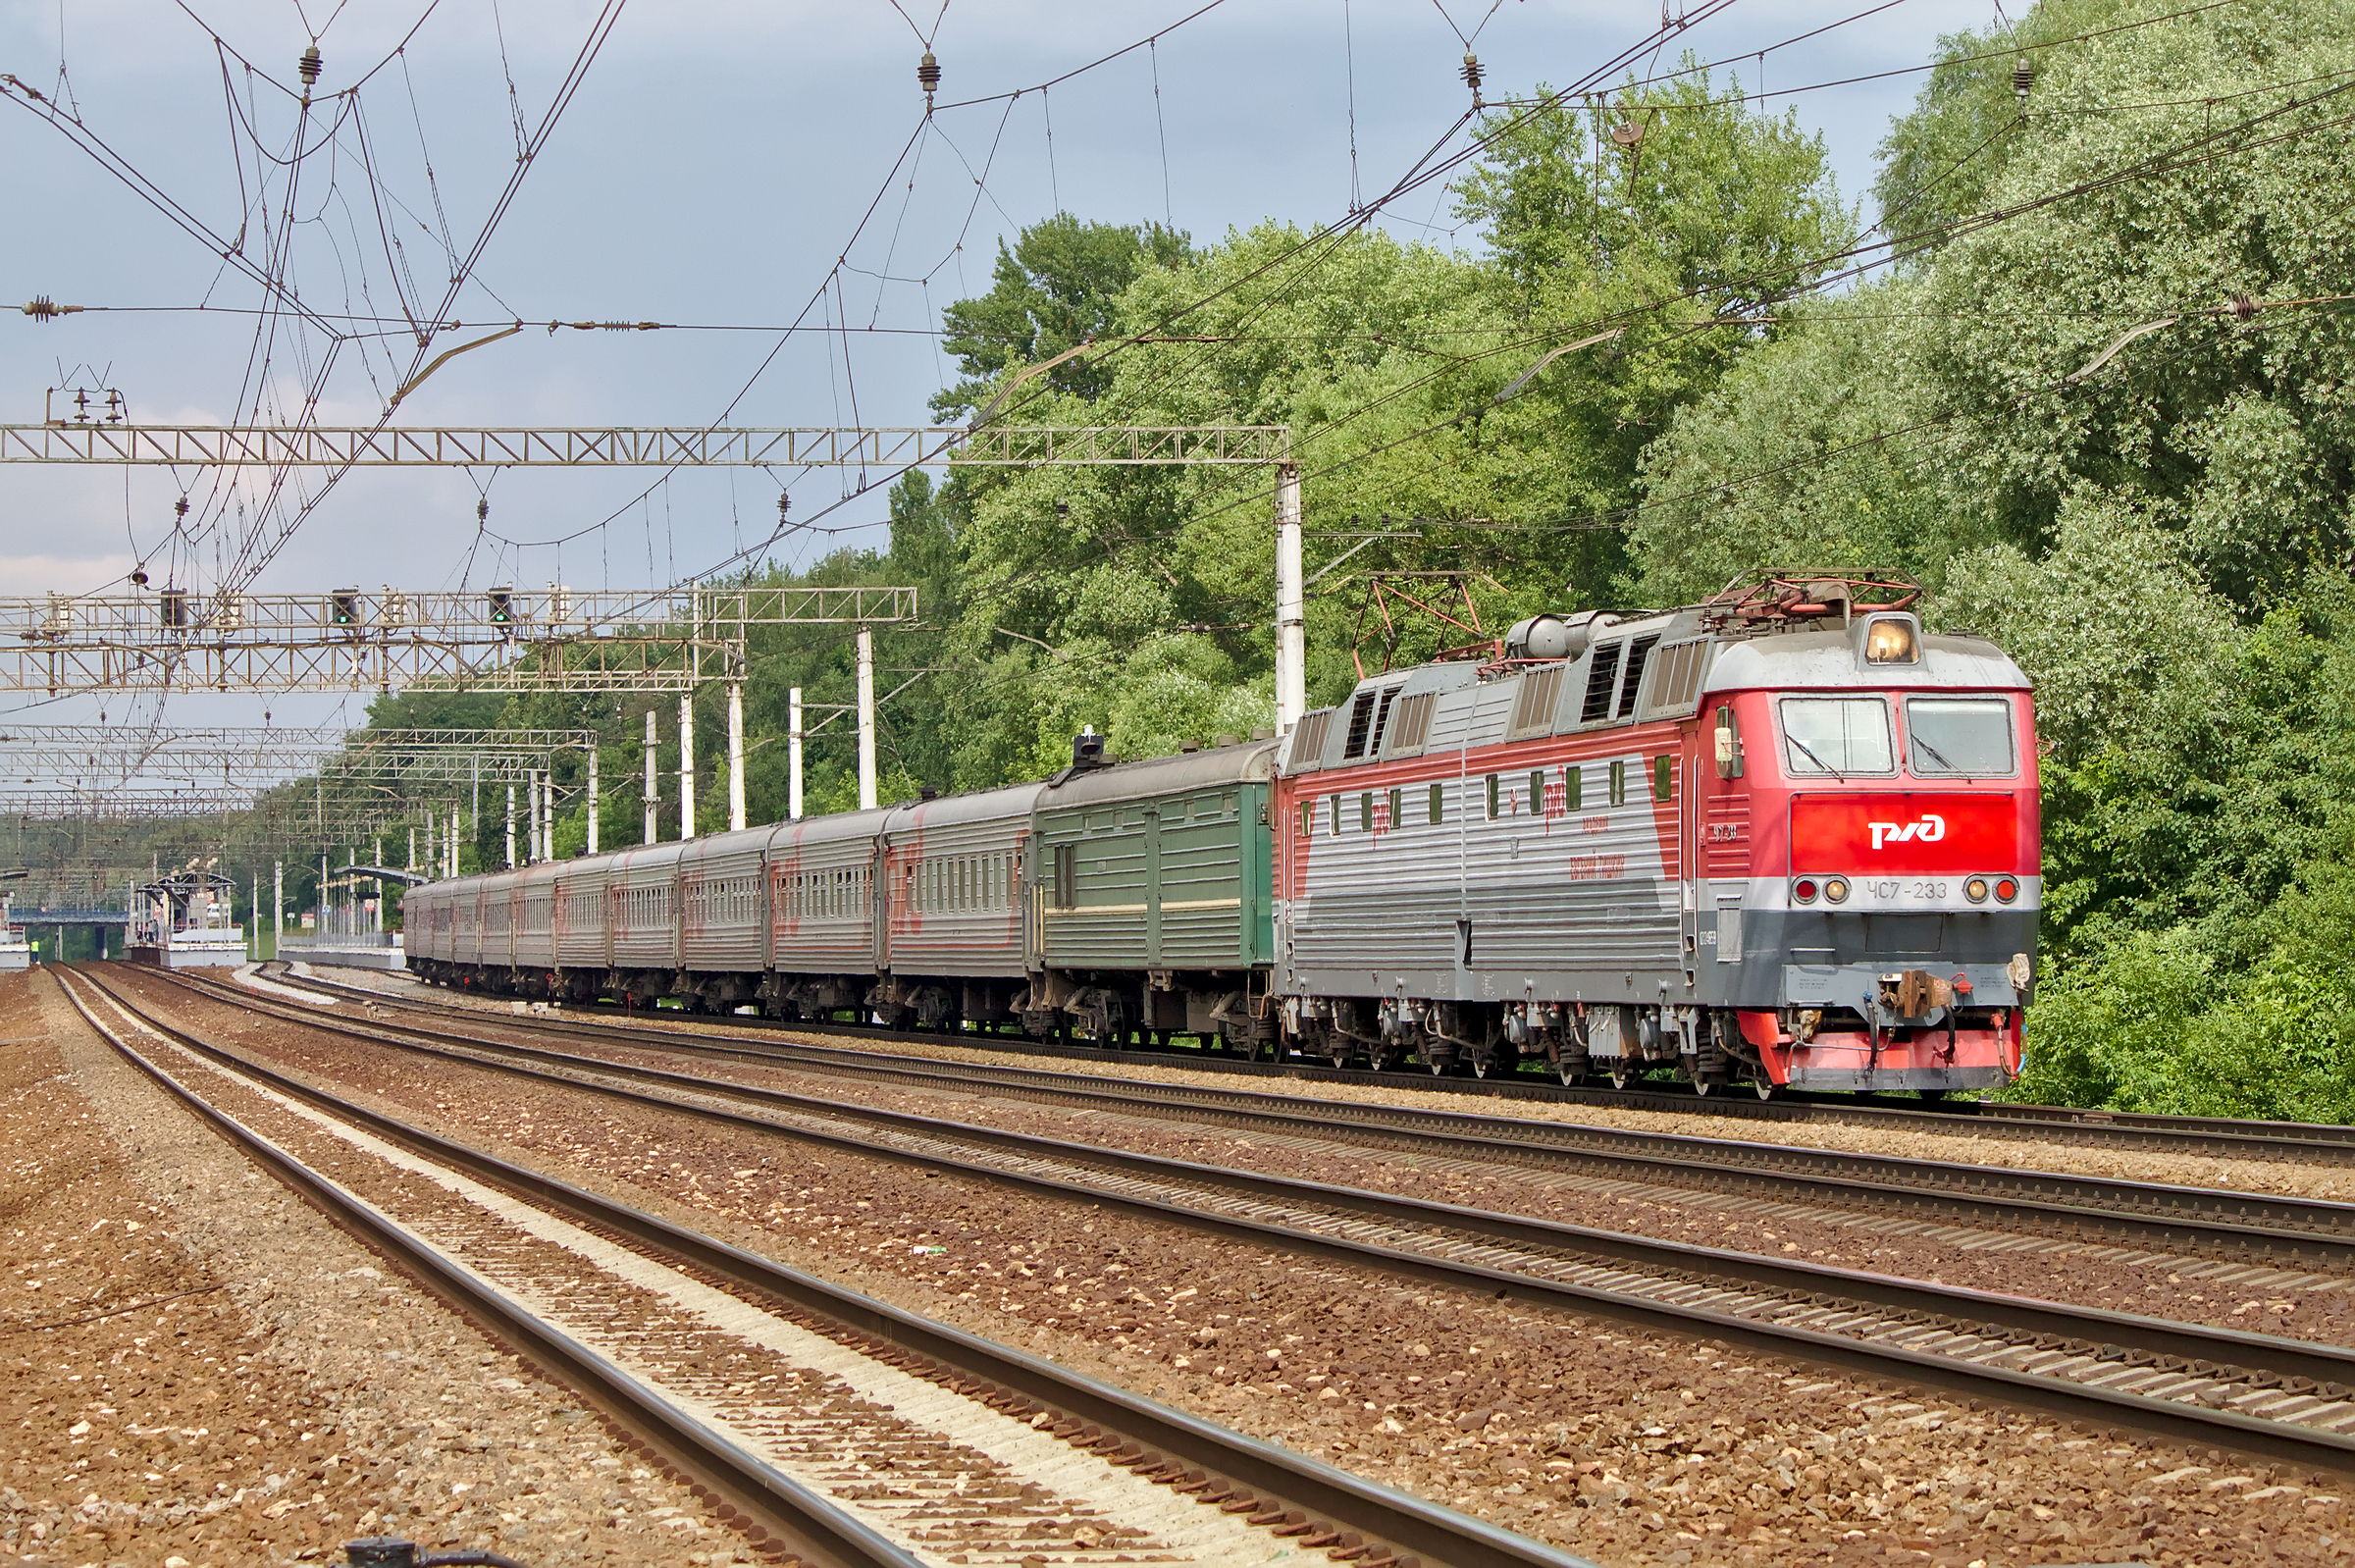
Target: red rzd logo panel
<point x="1860" y="834"/>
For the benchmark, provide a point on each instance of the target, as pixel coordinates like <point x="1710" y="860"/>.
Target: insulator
<point x="180" y="508"/>
<point x="1472" y="74"/>
<point x="927" y="73"/>
<point x="310" y="67"/>
<point x="481" y="511"/>
<point x="2244" y="308"/>
<point x="2023" y="77"/>
<point x="42" y="308"/>
<point x="138" y="575"/>
<point x="784" y="505"/>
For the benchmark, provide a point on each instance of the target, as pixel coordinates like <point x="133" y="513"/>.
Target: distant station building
<point x="16" y="947"/>
<point x="183" y="920"/>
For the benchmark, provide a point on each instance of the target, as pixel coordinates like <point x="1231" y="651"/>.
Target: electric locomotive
<point x="1784" y="837"/>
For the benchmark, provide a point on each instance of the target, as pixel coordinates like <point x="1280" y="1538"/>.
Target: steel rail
<point x="808" y="1523"/>
<point x="1439" y="1535"/>
<point x="2285" y="1231"/>
<point x="2232" y="1138"/>
<point x="2111" y="1333"/>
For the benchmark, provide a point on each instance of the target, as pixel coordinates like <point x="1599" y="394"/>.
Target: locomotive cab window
<point x="1966" y="736"/>
<point x="1836" y="736"/>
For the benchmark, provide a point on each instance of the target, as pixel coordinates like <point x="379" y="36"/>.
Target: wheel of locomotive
<point x="1571" y="1075"/>
<point x="1621" y="1076"/>
<point x="1767" y="1088"/>
<point x="1701" y="1085"/>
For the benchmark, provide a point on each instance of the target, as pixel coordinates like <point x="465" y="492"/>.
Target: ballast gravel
<point x="279" y="1390"/>
<point x="2012" y="1149"/>
<point x="1623" y="1446"/>
<point x="2183" y="1287"/>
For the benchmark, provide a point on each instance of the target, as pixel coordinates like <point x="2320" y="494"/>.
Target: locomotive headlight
<point x="1836" y="889"/>
<point x="1975" y="890"/>
<point x="1891" y="641"/>
<point x="1803" y="890"/>
<point x="2006" y="889"/>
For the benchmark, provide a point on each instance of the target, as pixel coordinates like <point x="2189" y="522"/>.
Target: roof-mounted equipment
<point x="1792" y="598"/>
<point x="1547" y="637"/>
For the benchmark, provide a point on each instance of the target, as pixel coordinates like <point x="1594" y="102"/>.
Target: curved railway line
<point x="2229" y="1137"/>
<point x="2254" y="1393"/>
<point x="727" y="1433"/>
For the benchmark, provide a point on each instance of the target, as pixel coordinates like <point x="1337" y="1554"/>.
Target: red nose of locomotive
<point x="1894" y="884"/>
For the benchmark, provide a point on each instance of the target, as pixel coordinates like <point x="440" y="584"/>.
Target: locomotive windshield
<point x="1836" y="735"/>
<point x="1970" y="737"/>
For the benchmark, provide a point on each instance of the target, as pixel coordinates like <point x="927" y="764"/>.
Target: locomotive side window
<point x="1439" y="803"/>
<point x="1308" y="819"/>
<point x="1365" y="811"/>
<point x="1619" y="783"/>
<point x="1663" y="777"/>
<point x="1491" y="797"/>
<point x="1836" y="735"/>
<point x="1574" y="779"/>
<point x="1537" y="792"/>
<point x="1960" y="735"/>
<point x="1398" y="810"/>
<point x="1337" y="817"/>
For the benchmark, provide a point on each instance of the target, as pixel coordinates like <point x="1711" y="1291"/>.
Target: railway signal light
<point x="343" y="607"/>
<point x="502" y="605"/>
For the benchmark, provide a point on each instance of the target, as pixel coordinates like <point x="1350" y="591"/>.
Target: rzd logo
<point x="1929" y="830"/>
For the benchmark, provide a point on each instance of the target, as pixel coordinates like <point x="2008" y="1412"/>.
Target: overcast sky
<point x="716" y="162"/>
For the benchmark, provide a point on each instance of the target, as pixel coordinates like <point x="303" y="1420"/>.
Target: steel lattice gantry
<point x="257" y="756"/>
<point x="555" y="639"/>
<point x="618" y="447"/>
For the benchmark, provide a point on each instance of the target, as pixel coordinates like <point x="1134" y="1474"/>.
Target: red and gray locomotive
<point x="1784" y="837"/>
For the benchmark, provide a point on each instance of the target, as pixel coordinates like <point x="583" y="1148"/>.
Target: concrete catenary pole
<point x="510" y="824"/>
<point x="793" y="754"/>
<point x="277" y="903"/>
<point x="1291" y="629"/>
<point x="687" y="767"/>
<point x="596" y="800"/>
<point x="654" y="748"/>
<point x="867" y="718"/>
<point x="735" y="757"/>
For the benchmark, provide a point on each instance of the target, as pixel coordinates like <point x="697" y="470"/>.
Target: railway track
<point x="2296" y="1233"/>
<point x="969" y="1451"/>
<point x="2255" y="1393"/>
<point x="2317" y="1143"/>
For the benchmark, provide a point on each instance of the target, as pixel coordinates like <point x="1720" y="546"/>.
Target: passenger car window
<point x="1836" y="735"/>
<point x="1971" y="736"/>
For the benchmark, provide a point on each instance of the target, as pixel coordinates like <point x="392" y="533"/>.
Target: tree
<point x="1053" y="290"/>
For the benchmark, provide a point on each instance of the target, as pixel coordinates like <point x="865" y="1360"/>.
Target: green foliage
<point x="1053" y="290"/>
